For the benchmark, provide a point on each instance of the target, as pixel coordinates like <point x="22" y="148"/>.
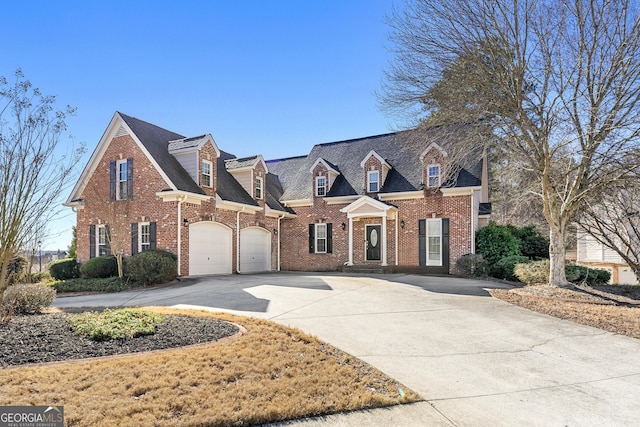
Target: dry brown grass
<point x="271" y="373"/>
<point x="597" y="308"/>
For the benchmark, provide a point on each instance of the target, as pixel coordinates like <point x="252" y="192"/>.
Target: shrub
<point x="535" y="272"/>
<point x="590" y="276"/>
<point x="115" y="324"/>
<point x="504" y="269"/>
<point x="28" y="298"/>
<point x="151" y="267"/>
<point x="495" y="242"/>
<point x="100" y="267"/>
<point x="108" y="284"/>
<point x="531" y="242"/>
<point x="64" y="269"/>
<point x="35" y="277"/>
<point x="471" y="265"/>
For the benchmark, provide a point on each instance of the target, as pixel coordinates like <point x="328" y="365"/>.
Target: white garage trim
<point x="255" y="250"/>
<point x="210" y="248"/>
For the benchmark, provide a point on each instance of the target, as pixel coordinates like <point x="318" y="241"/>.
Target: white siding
<point x="189" y="162"/>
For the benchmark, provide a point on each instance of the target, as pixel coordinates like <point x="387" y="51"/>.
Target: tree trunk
<point x="557" y="250"/>
<point x="119" y="264"/>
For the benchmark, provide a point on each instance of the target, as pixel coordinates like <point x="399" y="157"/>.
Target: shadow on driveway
<point x="450" y="284"/>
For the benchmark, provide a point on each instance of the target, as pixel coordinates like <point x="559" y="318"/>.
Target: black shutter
<point x="312" y="238"/>
<point x="130" y="178"/>
<point x="152" y="235"/>
<point x="107" y="232"/>
<point x="92" y="241"/>
<point x="422" y="242"/>
<point x="112" y="180"/>
<point x="329" y="238"/>
<point x="134" y="238"/>
<point x="445" y="243"/>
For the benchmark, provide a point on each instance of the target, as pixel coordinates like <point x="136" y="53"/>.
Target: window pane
<point x="373" y="181"/>
<point x="434" y="228"/>
<point x="320" y="186"/>
<point x="321" y="238"/>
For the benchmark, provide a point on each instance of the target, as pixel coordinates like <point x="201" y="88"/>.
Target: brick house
<point x="376" y="201"/>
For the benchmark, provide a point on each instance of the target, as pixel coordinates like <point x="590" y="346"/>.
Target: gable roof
<point x="227" y="187"/>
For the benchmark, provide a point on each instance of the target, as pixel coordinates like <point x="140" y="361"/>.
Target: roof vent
<point x="121" y="131"/>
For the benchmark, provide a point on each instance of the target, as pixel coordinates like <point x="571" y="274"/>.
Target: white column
<point x="384" y="240"/>
<point x="350" y="241"/>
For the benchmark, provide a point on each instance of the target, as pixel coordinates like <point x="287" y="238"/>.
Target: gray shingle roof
<point x="245" y="162"/>
<point x="186" y="142"/>
<point x="227" y="187"/>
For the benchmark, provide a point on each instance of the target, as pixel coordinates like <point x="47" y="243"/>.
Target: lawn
<point x="269" y="373"/>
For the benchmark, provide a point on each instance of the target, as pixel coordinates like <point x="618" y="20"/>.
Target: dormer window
<point x="258" y="187"/>
<point x="373" y="181"/>
<point x="321" y="186"/>
<point x="205" y="178"/>
<point x="433" y="176"/>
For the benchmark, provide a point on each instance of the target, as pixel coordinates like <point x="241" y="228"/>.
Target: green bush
<point x="505" y="268"/>
<point x="64" y="269"/>
<point x="99" y="268"/>
<point x="495" y="242"/>
<point x="115" y="324"/>
<point x="536" y="272"/>
<point x="592" y="277"/>
<point x="471" y="265"/>
<point x="108" y="284"/>
<point x="151" y="267"/>
<point x="28" y="298"/>
<point x="35" y="277"/>
<point x="531" y="242"/>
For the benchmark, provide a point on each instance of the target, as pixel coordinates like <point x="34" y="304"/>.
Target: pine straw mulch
<point x="266" y="374"/>
<point x="612" y="308"/>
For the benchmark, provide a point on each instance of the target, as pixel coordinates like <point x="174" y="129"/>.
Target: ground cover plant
<point x="268" y="374"/>
<point x="115" y="324"/>
<point x="609" y="307"/>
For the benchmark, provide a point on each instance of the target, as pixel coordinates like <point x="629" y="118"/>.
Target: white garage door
<point x="210" y="246"/>
<point x="255" y="250"/>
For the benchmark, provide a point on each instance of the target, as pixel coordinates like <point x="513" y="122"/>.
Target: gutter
<point x="180" y="201"/>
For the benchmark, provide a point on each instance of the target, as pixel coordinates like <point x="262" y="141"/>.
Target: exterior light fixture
<point x="402" y="224"/>
<point x="344" y="225"/>
<point x="185" y="222"/>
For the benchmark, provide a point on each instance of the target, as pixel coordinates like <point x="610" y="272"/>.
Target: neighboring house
<point x="593" y="254"/>
<point x="375" y="201"/>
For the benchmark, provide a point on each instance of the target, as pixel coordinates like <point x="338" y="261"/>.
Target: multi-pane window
<point x="373" y="181"/>
<point x="321" y="186"/>
<point x="121" y="180"/>
<point x="433" y="176"/>
<point x="258" y="187"/>
<point x="205" y="179"/>
<point x="321" y="238"/>
<point x="434" y="242"/>
<point x="102" y="243"/>
<point x="144" y="236"/>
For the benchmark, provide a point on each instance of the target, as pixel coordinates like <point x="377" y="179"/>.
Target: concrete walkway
<point x="475" y="360"/>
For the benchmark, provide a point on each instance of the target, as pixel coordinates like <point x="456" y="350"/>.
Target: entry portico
<point x="368" y="207"/>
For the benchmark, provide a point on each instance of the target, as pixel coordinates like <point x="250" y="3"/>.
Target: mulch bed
<point x="49" y="338"/>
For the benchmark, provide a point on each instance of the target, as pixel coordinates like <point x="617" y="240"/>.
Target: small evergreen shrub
<point x="28" y="298"/>
<point x="471" y="265"/>
<point x="64" y="269"/>
<point x="536" y="272"/>
<point x="151" y="267"/>
<point x="107" y="284"/>
<point x="115" y="324"/>
<point x="504" y="269"/>
<point x="532" y="243"/>
<point x="99" y="268"/>
<point x="592" y="277"/>
<point x="495" y="242"/>
<point x="35" y="277"/>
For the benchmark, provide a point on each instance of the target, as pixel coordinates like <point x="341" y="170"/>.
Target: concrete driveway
<point x="475" y="360"/>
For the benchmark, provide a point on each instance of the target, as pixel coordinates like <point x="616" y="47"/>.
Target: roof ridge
<point x="127" y="116"/>
<point x="347" y="141"/>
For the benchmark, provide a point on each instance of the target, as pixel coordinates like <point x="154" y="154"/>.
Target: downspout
<point x="472" y="225"/>
<point x="397" y="238"/>
<point x="180" y="201"/>
<point x="238" y="240"/>
<point x="279" y="218"/>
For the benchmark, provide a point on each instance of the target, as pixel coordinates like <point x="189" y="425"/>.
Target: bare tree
<point x="34" y="169"/>
<point x="558" y="80"/>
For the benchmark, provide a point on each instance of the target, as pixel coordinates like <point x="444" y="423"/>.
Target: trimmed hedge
<point x="495" y="242"/>
<point x="151" y="267"/>
<point x="99" y="268"/>
<point x="538" y="272"/>
<point x="471" y="265"/>
<point x="115" y="324"/>
<point x="28" y="298"/>
<point x="590" y="276"/>
<point x="107" y="284"/>
<point x="64" y="269"/>
<point x="505" y="268"/>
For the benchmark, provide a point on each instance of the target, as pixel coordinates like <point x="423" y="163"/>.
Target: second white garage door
<point x="210" y="250"/>
<point x="255" y="250"/>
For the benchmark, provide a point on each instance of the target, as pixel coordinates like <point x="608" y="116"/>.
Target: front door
<point x="372" y="243"/>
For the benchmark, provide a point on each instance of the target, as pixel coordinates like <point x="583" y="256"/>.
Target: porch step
<point x="371" y="269"/>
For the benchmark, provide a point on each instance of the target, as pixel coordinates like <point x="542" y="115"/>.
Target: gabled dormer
<point x="251" y="173"/>
<point x="324" y="175"/>
<point x="433" y="160"/>
<point x="376" y="169"/>
<point x="197" y="155"/>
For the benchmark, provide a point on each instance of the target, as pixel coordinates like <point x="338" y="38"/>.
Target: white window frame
<point x="321" y="239"/>
<point x="121" y="184"/>
<point x="259" y="188"/>
<point x="204" y="175"/>
<point x="429" y="237"/>
<point x="371" y="181"/>
<point x="319" y="186"/>
<point x="101" y="240"/>
<point x="142" y="244"/>
<point x="435" y="177"/>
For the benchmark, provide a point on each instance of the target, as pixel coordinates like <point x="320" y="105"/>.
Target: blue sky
<point x="263" y="77"/>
